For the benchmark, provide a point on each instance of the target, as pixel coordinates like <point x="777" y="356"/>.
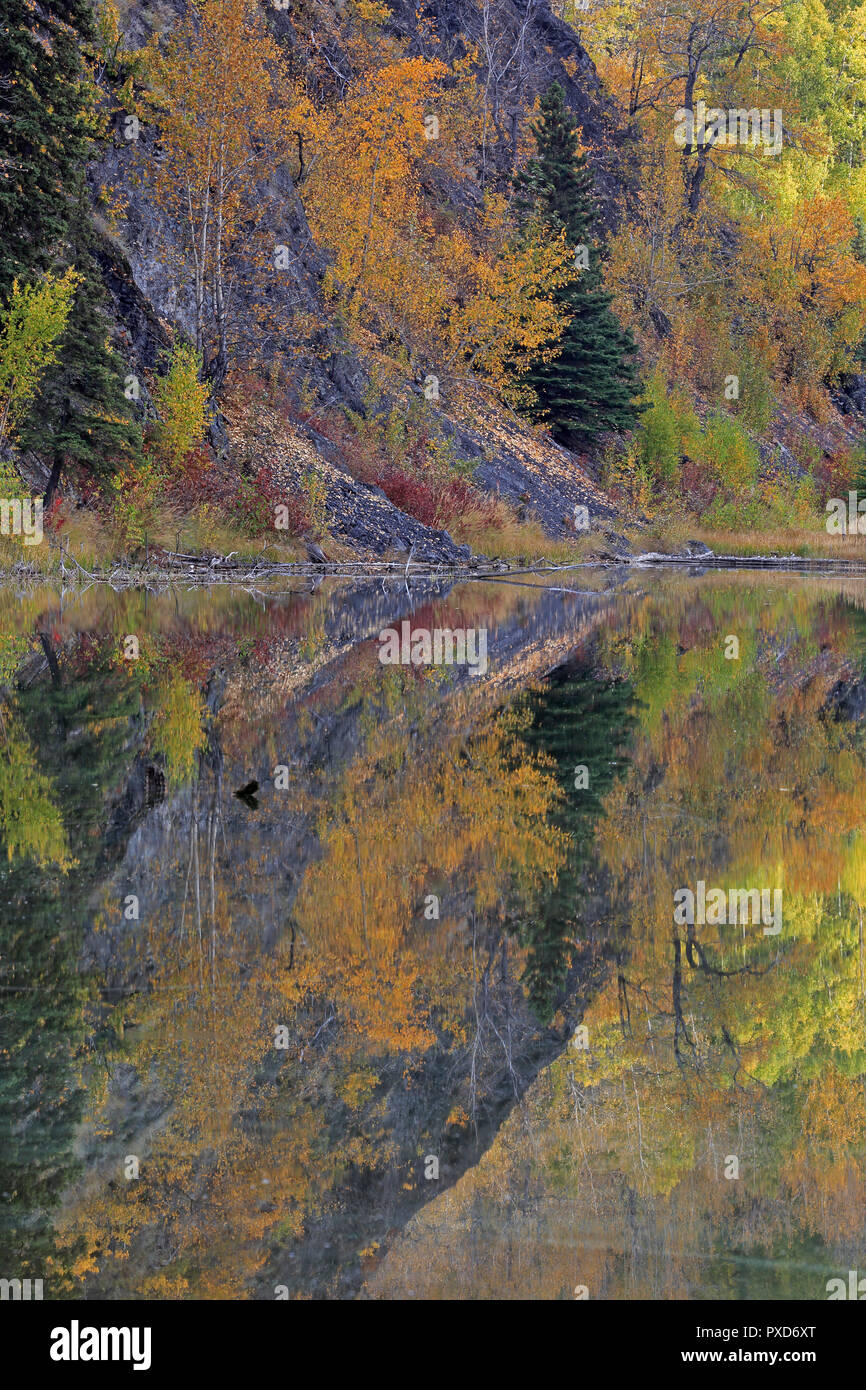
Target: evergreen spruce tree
<point x="576" y="718"/>
<point x="590" y="385"/>
<point x="46" y="129"/>
<point x="44" y="1024"/>
<point x="81" y="412"/>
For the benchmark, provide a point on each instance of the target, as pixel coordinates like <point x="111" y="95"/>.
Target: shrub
<point x="859" y="462"/>
<point x="667" y="430"/>
<point x="460" y="499"/>
<point x="660" y="442"/>
<point x="196" y="481"/>
<point x="771" y="505"/>
<point x="757" y="397"/>
<point x="728" y="452"/>
<point x="182" y="400"/>
<point x="439" y="506"/>
<point x="297" y="514"/>
<point x="135" y="489"/>
<point x="836" y="473"/>
<point x="253" y="504"/>
<point x="411" y="495"/>
<point x="314" y="490"/>
<point x="198" y="489"/>
<point x="697" y="486"/>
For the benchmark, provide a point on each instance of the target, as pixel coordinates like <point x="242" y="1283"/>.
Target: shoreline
<point x="204" y="572"/>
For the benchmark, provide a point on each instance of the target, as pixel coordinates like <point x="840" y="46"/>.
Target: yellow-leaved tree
<point x="30" y="330"/>
<point x="222" y="99"/>
<point x="182" y="399"/>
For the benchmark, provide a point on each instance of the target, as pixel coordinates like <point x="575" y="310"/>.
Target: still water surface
<point x="321" y="977"/>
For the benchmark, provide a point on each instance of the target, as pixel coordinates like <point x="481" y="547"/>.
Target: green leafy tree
<point x="29" y="329"/>
<point x="590" y="384"/>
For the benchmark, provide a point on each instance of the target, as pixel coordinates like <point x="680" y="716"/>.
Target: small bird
<point x="247" y="795"/>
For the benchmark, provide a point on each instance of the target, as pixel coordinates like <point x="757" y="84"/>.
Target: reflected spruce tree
<point x="63" y="748"/>
<point x="584" y="723"/>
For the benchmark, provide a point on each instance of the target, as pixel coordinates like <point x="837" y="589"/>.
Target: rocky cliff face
<point x="524" y="47"/>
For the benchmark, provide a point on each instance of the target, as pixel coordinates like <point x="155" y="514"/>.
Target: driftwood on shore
<point x="804" y="564"/>
<point x="165" y="568"/>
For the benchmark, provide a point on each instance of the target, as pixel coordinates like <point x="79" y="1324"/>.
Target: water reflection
<point x="323" y="977"/>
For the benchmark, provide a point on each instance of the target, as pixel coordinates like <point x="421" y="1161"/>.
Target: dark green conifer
<point x="45" y="129"/>
<point x="81" y="413"/>
<point x="47" y="126"/>
<point x="590" y="384"/>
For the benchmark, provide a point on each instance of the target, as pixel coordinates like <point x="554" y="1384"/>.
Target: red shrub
<point x="438" y="506"/>
<point x="195" y="480"/>
<point x="57" y="516"/>
<point x="409" y="494"/>
<point x="415" y="492"/>
<point x="295" y="503"/>
<point x="251" y="503"/>
<point x="459" y="498"/>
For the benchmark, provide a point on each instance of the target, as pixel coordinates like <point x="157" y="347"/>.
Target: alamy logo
<point x="75" y="1343"/>
<point x="20" y="1289"/>
<point x="856" y="1288"/>
<point x="712" y="126"/>
<point x="441" y="647"/>
<point x="715" y="907"/>
<point x="850" y="521"/>
<point x="19" y="518"/>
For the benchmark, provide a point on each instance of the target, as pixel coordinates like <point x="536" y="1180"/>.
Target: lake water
<point x="328" y="976"/>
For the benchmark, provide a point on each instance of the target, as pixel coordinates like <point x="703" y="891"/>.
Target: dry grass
<point x="803" y="541"/>
<point x="84" y="536"/>
<point x="507" y="538"/>
<point x="204" y="532"/>
<point x="95" y="543"/>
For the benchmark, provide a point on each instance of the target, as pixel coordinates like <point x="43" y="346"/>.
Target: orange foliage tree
<point x="465" y="292"/>
<point x="804" y="285"/>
